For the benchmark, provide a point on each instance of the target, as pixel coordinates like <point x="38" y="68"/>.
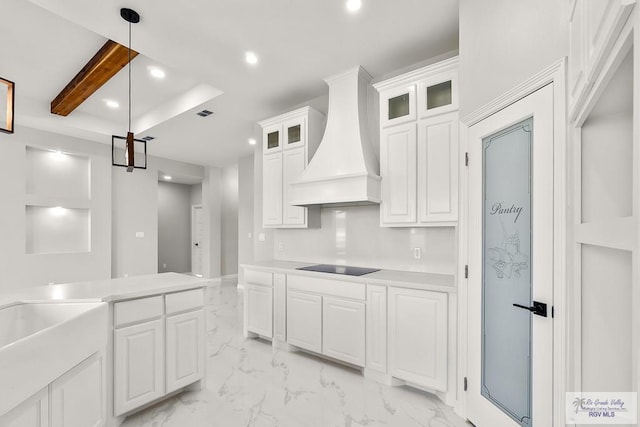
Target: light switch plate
<point x="417" y="253"/>
<point x="139" y="233"/>
<point x="261" y="237"/>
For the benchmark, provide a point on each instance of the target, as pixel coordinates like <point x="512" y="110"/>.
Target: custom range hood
<point x="344" y="169"/>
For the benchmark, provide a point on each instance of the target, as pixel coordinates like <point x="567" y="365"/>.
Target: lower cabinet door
<point x="185" y="349"/>
<point x="260" y="310"/>
<point x="280" y="307"/>
<point x="78" y="398"/>
<point x="418" y="337"/>
<point x="139" y="365"/>
<point x="304" y="321"/>
<point x="343" y="330"/>
<point x="34" y="412"/>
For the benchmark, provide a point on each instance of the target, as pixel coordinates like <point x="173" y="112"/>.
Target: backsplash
<point x="353" y="236"/>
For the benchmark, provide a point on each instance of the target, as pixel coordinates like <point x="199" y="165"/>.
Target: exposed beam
<point x="106" y="63"/>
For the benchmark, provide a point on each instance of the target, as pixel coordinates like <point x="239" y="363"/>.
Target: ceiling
<point x="201" y="46"/>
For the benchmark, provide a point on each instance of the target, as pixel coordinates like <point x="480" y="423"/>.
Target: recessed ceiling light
<point x="354" y="5"/>
<point x="167" y="178"/>
<point x="252" y="141"/>
<point x="251" y="58"/>
<point x="156" y="72"/>
<point x="111" y="103"/>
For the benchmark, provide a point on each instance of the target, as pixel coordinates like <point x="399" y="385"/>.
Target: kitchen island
<point x="149" y="343"/>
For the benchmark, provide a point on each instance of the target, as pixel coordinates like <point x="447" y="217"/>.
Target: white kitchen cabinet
<point x="280" y="306"/>
<point x="398" y="166"/>
<point x="33" y="412"/>
<point x="594" y="27"/>
<point x="438" y="169"/>
<point x="289" y="142"/>
<point x="259" y="309"/>
<point x="272" y="189"/>
<point x="138" y="365"/>
<point x="419" y="150"/>
<point x="184" y="349"/>
<point x="418" y="337"/>
<point x="376" y="321"/>
<point x="78" y="398"/>
<point x="304" y="320"/>
<point x="293" y="163"/>
<point x="343" y="330"/>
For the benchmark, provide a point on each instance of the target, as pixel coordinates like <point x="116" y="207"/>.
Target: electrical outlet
<point x="261" y="237"/>
<point x="125" y="275"/>
<point x="249" y="235"/>
<point x="281" y="247"/>
<point x="417" y="253"/>
<point x="51" y="283"/>
<point x="139" y="233"/>
<point x="164" y="265"/>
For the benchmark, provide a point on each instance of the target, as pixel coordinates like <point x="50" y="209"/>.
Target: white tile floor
<point x="251" y="384"/>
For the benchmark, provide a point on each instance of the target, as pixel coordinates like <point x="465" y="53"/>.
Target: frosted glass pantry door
<point x="510" y="337"/>
<point x="506" y="332"/>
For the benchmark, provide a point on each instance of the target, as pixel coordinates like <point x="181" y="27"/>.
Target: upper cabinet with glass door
<point x="419" y="94"/>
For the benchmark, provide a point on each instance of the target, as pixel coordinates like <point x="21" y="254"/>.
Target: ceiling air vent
<point x="204" y="113"/>
<point x="148" y="138"/>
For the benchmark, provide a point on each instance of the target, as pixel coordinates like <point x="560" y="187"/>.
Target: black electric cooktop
<point x="339" y="269"/>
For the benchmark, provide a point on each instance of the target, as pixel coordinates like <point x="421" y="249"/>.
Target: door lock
<point x="539" y="308"/>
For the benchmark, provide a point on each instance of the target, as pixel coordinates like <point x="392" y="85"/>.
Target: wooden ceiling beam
<point x="106" y="63"/>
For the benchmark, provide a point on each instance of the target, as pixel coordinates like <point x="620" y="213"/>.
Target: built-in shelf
<point x="57" y="202"/>
<point x="57" y="230"/>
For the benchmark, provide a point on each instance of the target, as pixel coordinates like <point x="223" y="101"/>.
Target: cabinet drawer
<point x="252" y="277"/>
<point x="338" y="288"/>
<point x="183" y="301"/>
<point x="137" y="310"/>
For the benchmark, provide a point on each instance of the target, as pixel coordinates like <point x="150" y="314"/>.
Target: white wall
<point x="135" y="209"/>
<point x="504" y="42"/>
<point x="174" y="227"/>
<point x="211" y="200"/>
<point x="135" y="222"/>
<point x="121" y="204"/>
<point x="19" y="270"/>
<point x="353" y="236"/>
<point x="245" y="213"/>
<point x="229" y="221"/>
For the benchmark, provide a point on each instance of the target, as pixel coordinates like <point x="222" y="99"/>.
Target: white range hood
<point x="344" y="169"/>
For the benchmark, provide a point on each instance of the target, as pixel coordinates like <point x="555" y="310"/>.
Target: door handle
<point x="539" y="308"/>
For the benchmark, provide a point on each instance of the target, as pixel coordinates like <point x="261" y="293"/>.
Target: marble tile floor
<point x="250" y="384"/>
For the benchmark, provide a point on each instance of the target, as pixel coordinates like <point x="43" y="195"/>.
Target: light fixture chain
<point x="129" y="76"/>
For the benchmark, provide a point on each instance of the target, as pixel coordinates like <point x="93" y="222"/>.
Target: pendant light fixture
<point x="132" y="17"/>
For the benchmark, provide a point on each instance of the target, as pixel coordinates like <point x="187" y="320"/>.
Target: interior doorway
<point x="176" y="197"/>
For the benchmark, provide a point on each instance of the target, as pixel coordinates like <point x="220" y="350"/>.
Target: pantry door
<point x="510" y="326"/>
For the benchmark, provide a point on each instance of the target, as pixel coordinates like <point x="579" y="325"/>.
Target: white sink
<point x="40" y="342"/>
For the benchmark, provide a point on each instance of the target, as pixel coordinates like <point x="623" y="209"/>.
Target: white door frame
<point x="193" y="208"/>
<point x="555" y="74"/>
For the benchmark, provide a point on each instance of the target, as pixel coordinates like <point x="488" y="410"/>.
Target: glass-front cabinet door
<point x="438" y="94"/>
<point x="294" y="133"/>
<point x="398" y="106"/>
<point x="272" y="139"/>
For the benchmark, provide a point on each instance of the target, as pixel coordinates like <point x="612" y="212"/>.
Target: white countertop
<point x="404" y="279"/>
<point x="107" y="290"/>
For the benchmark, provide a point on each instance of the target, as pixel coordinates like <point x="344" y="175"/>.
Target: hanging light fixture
<point x="130" y="143"/>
